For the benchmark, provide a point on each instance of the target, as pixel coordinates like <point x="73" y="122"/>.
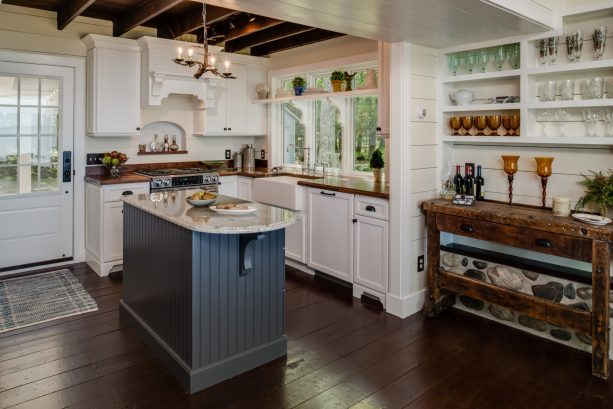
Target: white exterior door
<point x="36" y="128"/>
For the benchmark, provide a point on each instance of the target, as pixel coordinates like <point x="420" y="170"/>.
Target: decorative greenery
<point x="114" y="159"/>
<point x="337" y="76"/>
<point x="598" y="191"/>
<point x="376" y="159"/>
<point x="298" y="82"/>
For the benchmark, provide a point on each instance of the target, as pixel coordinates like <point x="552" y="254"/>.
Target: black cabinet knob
<point x="138" y="128"/>
<point x="467" y="228"/>
<point x="543" y="243"/>
<point x="355" y="220"/>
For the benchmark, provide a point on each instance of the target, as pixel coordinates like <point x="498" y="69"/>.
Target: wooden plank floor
<point x="341" y="354"/>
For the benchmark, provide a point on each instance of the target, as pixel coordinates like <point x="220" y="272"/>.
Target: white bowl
<point x="200" y="203"/>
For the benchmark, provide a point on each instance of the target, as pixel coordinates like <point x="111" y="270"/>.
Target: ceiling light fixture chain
<point x="208" y="60"/>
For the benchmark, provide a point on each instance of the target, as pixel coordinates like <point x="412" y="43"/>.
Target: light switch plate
<point x="228" y="154"/>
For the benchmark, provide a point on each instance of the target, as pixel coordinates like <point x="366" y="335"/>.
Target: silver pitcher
<point x="248" y="158"/>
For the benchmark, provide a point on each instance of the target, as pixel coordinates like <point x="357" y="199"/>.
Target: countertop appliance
<point x="171" y="179"/>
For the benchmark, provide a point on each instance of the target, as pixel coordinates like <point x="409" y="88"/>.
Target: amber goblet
<point x="543" y="169"/>
<point x="455" y="123"/>
<point x="514" y="123"/>
<point x="494" y="123"/>
<point x="480" y="124"/>
<point x="506" y="124"/>
<point x="510" y="167"/>
<point x="467" y="124"/>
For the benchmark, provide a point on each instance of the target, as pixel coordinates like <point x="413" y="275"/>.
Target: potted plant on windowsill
<point x="337" y="78"/>
<point x="377" y="163"/>
<point x="298" y="83"/>
<point x="598" y="192"/>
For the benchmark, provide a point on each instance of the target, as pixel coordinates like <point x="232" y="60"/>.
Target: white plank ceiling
<point x="432" y="23"/>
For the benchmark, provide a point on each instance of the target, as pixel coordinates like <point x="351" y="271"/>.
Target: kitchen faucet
<point x="305" y="163"/>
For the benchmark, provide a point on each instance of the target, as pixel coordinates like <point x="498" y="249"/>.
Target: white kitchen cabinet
<point x="113" y="86"/>
<point x="226" y="113"/>
<point x="330" y="244"/>
<point x="228" y="186"/>
<point x="245" y="185"/>
<point x="104" y="224"/>
<point x="296" y="239"/>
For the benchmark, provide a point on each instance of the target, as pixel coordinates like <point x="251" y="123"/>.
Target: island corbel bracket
<point x="245" y="253"/>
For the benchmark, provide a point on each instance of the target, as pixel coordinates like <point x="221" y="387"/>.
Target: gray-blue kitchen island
<point x="205" y="291"/>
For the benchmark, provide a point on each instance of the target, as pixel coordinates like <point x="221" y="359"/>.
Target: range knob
<point x="214" y="179"/>
<point x="207" y="179"/>
<point x="167" y="182"/>
<point x="157" y="183"/>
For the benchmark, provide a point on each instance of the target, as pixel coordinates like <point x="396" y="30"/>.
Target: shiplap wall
<point x="424" y="151"/>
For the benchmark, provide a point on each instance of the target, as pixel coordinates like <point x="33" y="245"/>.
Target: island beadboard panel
<point x="551" y="288"/>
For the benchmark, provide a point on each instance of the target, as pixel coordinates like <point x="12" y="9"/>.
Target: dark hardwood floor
<point x="341" y="354"/>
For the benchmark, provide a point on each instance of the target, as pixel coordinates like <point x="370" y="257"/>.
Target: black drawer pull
<point x="355" y="220"/>
<point x="327" y="194"/>
<point x="467" y="228"/>
<point x="543" y="243"/>
<point x="370" y="208"/>
<point x="127" y="193"/>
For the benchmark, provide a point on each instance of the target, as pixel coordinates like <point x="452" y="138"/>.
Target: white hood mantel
<point x="160" y="76"/>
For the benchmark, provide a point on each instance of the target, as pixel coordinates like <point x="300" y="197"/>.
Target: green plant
<point x="337" y="76"/>
<point x="298" y="82"/>
<point x="598" y="191"/>
<point x="376" y="159"/>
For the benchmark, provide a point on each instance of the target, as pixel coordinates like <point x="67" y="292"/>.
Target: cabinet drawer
<point x="372" y="207"/>
<point x="528" y="239"/>
<point x="114" y="193"/>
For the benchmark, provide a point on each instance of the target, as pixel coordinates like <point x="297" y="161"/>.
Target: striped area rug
<point x="42" y="297"/>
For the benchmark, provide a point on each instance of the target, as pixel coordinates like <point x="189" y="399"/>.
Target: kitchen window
<point x="339" y="132"/>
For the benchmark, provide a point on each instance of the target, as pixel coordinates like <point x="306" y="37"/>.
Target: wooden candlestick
<point x="510" y="167"/>
<point x="543" y="169"/>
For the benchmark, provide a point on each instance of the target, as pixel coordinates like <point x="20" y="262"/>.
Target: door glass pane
<point x="29" y="91"/>
<point x="44" y="178"/>
<point x="293" y="134"/>
<point x="28" y="149"/>
<point x="8" y="180"/>
<point x="48" y="149"/>
<point x="28" y="121"/>
<point x="8" y="150"/>
<point x="328" y="134"/>
<point x="365" y="131"/>
<point x="8" y="90"/>
<point x="8" y="120"/>
<point x="48" y="121"/>
<point x="49" y="92"/>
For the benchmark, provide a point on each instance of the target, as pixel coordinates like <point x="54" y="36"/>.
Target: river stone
<point x="569" y="291"/>
<point x="532" y="323"/>
<point x="479" y="264"/>
<point x="530" y="275"/>
<point x="472" y="303"/>
<point x="585" y="338"/>
<point x="581" y="305"/>
<point x="476" y="274"/>
<point x="464" y="262"/>
<point x="585" y="293"/>
<point x="561" y="334"/>
<point x="451" y="260"/>
<point x="505" y="277"/>
<point x="551" y="291"/>
<point x="501" y="313"/>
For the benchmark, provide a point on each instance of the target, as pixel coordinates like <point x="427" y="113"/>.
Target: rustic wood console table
<point x="529" y="229"/>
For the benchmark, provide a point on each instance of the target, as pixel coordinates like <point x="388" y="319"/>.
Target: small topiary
<point x="337" y="76"/>
<point x="376" y="159"/>
<point x="298" y="82"/>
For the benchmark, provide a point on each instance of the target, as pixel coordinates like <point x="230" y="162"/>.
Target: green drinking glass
<point x="453" y="61"/>
<point x="483" y="59"/>
<point x="500" y="56"/>
<point x="513" y="52"/>
<point x="470" y="60"/>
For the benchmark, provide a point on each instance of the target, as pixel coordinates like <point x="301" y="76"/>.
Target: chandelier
<point x="208" y="60"/>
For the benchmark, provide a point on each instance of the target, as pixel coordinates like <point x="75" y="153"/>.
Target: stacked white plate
<point x="592" y="219"/>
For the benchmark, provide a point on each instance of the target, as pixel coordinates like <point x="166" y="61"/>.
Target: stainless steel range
<point x="171" y="179"/>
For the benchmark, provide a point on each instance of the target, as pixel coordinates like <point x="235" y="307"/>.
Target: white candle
<point x="226" y="64"/>
<point x="190" y="52"/>
<point x="179" y="51"/>
<point x="561" y="206"/>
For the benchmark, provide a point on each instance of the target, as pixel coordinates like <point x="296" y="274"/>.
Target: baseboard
<point x="299" y="266"/>
<point x="403" y="307"/>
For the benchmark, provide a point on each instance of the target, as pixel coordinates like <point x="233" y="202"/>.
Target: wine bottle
<point x="469" y="182"/>
<point x="479" y="185"/>
<point x="457" y="181"/>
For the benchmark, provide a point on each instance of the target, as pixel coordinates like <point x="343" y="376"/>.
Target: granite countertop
<point x="352" y="185"/>
<point x="173" y="207"/>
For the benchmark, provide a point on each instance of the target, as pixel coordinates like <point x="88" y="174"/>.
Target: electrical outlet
<point x="94" y="158"/>
<point x="228" y="154"/>
<point x="420" y="263"/>
<point x="262" y="154"/>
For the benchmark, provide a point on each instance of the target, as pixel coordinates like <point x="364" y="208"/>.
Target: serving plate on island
<point x="592" y="219"/>
<point x="233" y="209"/>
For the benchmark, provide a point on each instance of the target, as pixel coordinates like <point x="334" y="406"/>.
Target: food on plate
<point x="232" y="206"/>
<point x="202" y="195"/>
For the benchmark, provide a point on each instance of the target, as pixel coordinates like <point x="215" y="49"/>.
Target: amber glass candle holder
<point x="543" y="169"/>
<point x="455" y="123"/>
<point x="480" y="124"/>
<point x="467" y="124"/>
<point x="506" y="124"/>
<point x="510" y="168"/>
<point x="494" y="122"/>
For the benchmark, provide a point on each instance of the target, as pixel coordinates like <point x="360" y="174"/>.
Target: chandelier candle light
<point x="208" y="60"/>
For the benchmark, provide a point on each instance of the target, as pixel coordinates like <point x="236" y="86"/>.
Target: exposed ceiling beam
<point x="260" y="23"/>
<point x="298" y="40"/>
<point x="179" y="25"/>
<point x="265" y="36"/>
<point x="141" y="14"/>
<point x="69" y="11"/>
